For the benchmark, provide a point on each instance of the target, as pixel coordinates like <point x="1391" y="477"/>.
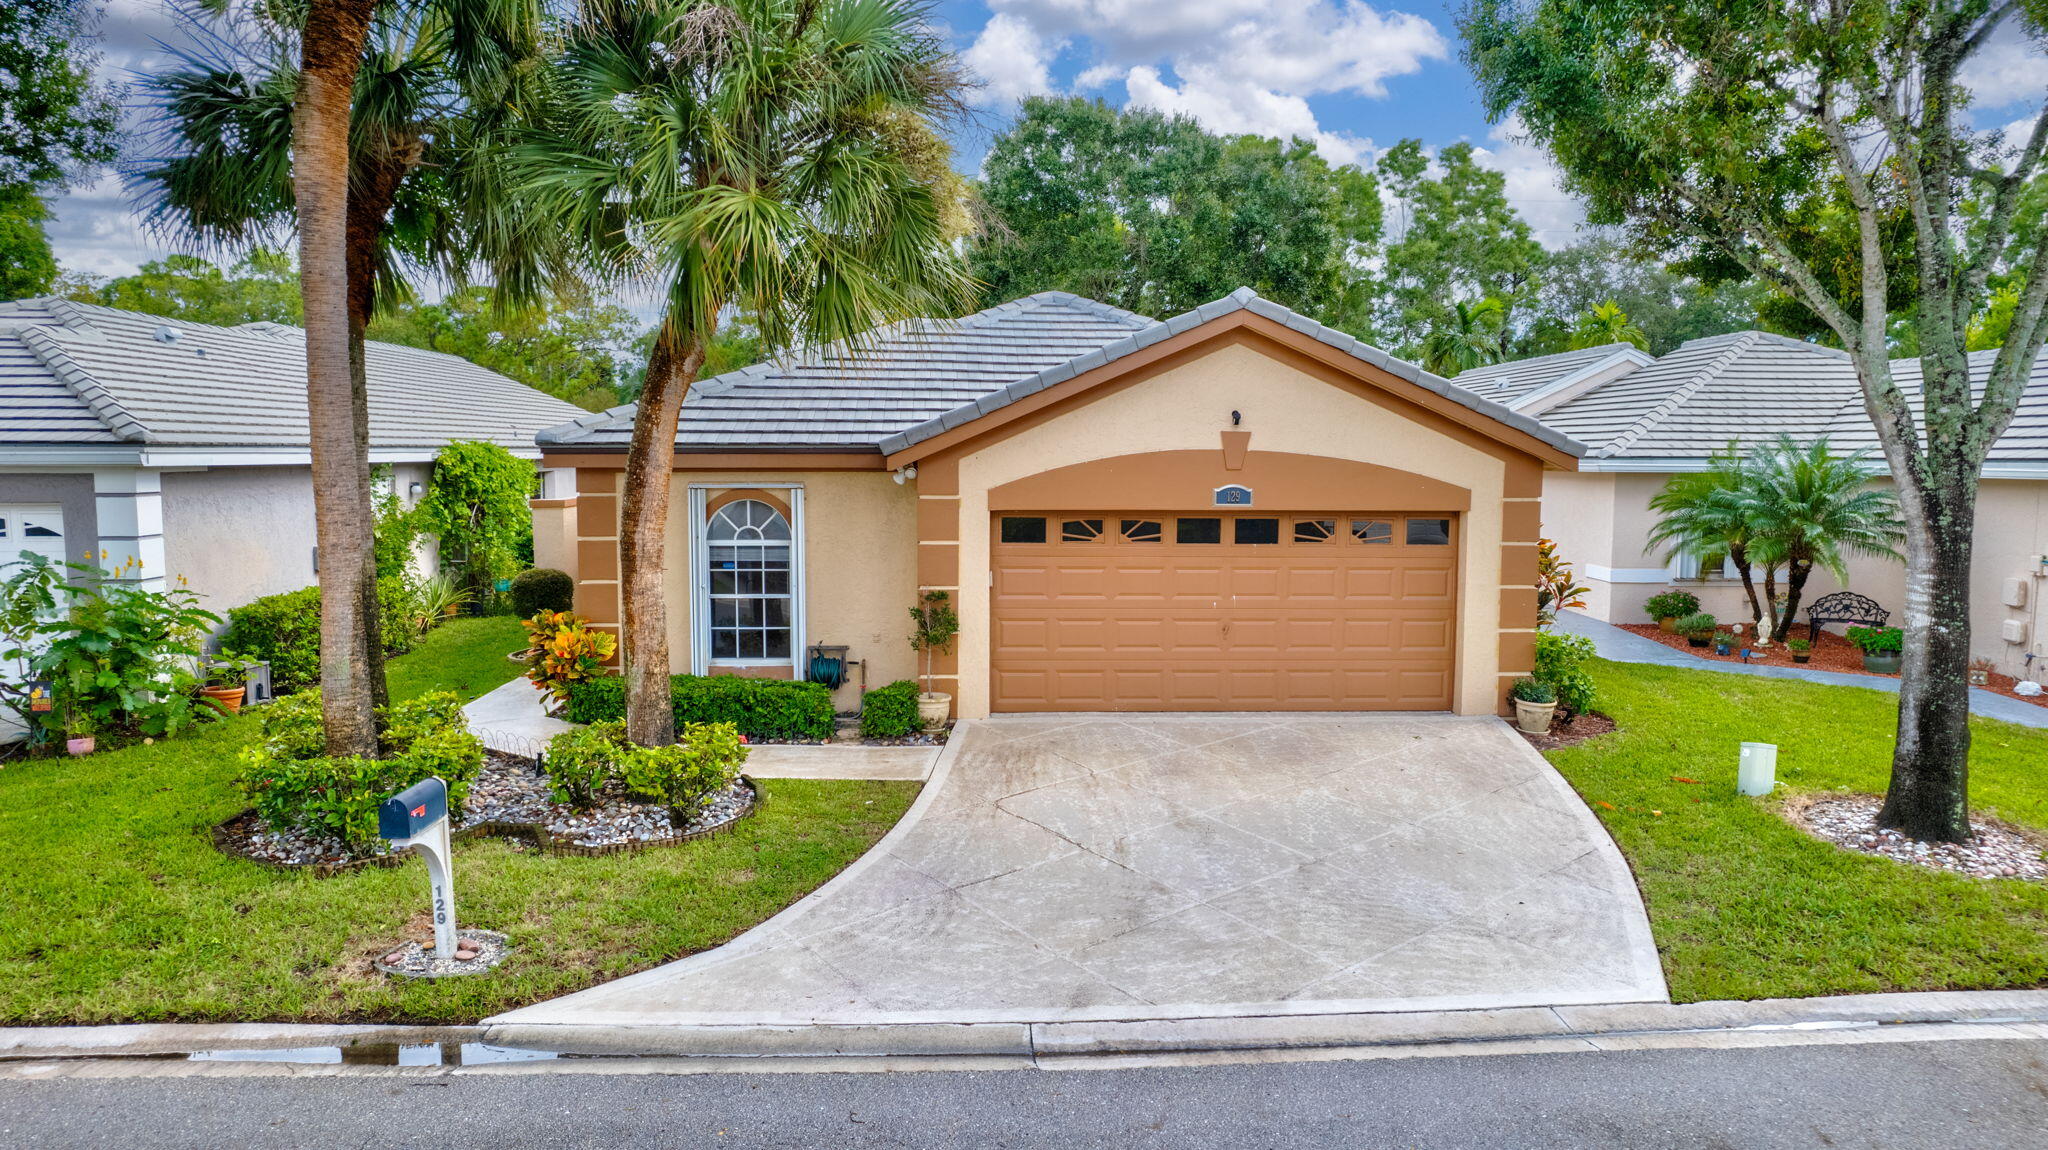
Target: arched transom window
<point x="748" y="549"/>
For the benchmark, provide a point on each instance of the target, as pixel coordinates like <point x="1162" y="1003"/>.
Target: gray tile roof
<point x="924" y="377"/>
<point x="1509" y="382"/>
<point x="1748" y="386"/>
<point x="73" y="373"/>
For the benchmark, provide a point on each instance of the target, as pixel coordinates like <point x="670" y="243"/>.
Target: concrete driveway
<point x="1095" y="867"/>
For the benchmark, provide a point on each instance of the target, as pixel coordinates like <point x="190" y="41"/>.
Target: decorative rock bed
<point x="510" y="797"/>
<point x="1850" y="822"/>
<point x="487" y="948"/>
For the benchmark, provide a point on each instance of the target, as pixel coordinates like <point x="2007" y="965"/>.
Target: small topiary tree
<point x="538" y="589"/>
<point x="935" y="623"/>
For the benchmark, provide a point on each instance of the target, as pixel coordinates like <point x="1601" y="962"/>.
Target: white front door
<point x="30" y="527"/>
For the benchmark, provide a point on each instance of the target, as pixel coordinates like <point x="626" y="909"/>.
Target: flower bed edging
<point x="540" y="836"/>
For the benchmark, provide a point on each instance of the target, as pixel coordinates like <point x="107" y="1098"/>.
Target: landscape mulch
<point x="1570" y="732"/>
<point x="1831" y="653"/>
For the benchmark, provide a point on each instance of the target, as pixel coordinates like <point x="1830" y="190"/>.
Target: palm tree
<point x="1807" y="507"/>
<point x="1604" y="324"/>
<point x="377" y="143"/>
<point x="773" y="158"/>
<point x="1705" y="515"/>
<point x="1472" y="335"/>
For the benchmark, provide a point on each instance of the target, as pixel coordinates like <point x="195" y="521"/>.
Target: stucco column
<point x="129" y="504"/>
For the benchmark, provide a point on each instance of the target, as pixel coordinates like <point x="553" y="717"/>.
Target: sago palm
<point x="775" y="158"/>
<point x="1470" y="336"/>
<point x="1808" y="507"/>
<point x="1606" y="323"/>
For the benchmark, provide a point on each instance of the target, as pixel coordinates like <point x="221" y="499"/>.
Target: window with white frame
<point x="748" y="583"/>
<point x="1685" y="566"/>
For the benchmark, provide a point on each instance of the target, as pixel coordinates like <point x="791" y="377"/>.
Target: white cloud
<point x="2009" y="68"/>
<point x="1534" y="185"/>
<point x="96" y="229"/>
<point x="1012" y="59"/>
<point x="1232" y="65"/>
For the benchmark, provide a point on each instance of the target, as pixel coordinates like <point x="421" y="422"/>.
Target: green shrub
<point x="284" y="630"/>
<point x="890" y="712"/>
<point x="1877" y="640"/>
<point x="538" y="589"/>
<point x="1672" y="605"/>
<point x="292" y="785"/>
<point x="581" y="762"/>
<point x="757" y="708"/>
<point x="705" y="760"/>
<point x="1561" y="664"/>
<point x="1530" y="690"/>
<point x="1698" y="625"/>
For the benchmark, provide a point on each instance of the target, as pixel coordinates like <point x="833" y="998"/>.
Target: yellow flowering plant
<point x="562" y="649"/>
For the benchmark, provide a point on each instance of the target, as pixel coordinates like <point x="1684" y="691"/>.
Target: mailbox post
<point x="417" y="817"/>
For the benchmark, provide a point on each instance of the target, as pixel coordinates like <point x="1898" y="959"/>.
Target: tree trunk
<point x="1929" y="794"/>
<point x="332" y="50"/>
<point x="1796" y="574"/>
<point x="1778" y="622"/>
<point x="1740" y="556"/>
<point x="643" y="527"/>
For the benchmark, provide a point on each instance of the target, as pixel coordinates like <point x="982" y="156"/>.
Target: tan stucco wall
<point x="1185" y="407"/>
<point x="1603" y="519"/>
<point x="859" y="576"/>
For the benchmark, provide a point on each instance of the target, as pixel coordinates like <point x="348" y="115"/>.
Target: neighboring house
<point x="1647" y="420"/>
<point x="1235" y="509"/>
<point x="183" y="446"/>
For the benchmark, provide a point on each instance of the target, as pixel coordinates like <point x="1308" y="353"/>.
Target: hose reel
<point x="827" y="665"/>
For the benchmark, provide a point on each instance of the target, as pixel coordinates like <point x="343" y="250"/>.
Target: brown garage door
<point x="1239" y="612"/>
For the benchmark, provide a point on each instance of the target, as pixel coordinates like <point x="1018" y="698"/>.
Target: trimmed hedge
<point x="758" y="708"/>
<point x="284" y="631"/>
<point x="538" y="589"/>
<point x="890" y="712"/>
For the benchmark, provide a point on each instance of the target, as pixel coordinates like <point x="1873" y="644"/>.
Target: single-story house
<point x="1644" y="420"/>
<point x="1237" y="509"/>
<point x="183" y="446"/>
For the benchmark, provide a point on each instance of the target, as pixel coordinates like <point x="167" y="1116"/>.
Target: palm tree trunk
<point x="1929" y="794"/>
<point x="1797" y="572"/>
<point x="643" y="527"/>
<point x="331" y="52"/>
<point x="1778" y="623"/>
<point x="1739" y="555"/>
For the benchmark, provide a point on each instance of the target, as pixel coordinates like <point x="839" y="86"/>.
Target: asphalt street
<point x="1952" y="1094"/>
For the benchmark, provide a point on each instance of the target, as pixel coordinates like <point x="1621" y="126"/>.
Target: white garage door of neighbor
<point x="30" y="527"/>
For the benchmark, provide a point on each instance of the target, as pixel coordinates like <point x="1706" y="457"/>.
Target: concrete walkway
<point x="1627" y="647"/>
<point x="510" y="719"/>
<point x="1115" y="868"/>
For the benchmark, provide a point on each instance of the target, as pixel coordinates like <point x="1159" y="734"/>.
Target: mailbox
<point x="411" y="811"/>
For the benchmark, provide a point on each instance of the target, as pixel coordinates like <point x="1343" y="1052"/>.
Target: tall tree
<point x="1152" y="213"/>
<point x="262" y="285"/>
<point x="777" y="158"/>
<point x="1470" y="335"/>
<point x="570" y="348"/>
<point x="425" y="90"/>
<point x="1670" y="306"/>
<point x="57" y="125"/>
<point x="1453" y="235"/>
<point x="1728" y="129"/>
<point x="1606" y="323"/>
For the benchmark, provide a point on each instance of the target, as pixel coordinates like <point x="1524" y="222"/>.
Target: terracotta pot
<point x="228" y="699"/>
<point x="1882" y="662"/>
<point x="933" y="707"/>
<point x="1534" y="718"/>
<point x="81" y="745"/>
<point x="1668" y="624"/>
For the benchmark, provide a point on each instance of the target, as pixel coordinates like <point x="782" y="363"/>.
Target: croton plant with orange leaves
<point x="562" y="649"/>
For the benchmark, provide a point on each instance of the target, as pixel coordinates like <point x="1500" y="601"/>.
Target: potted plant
<point x="440" y="597"/>
<point x="78" y="737"/>
<point x="1671" y="606"/>
<point x="1535" y="705"/>
<point x="1724" y="643"/>
<point x="935" y="623"/>
<point x="1802" y="650"/>
<point x="227" y="682"/>
<point x="1698" y="628"/>
<point x="1980" y="672"/>
<point x="1882" y="648"/>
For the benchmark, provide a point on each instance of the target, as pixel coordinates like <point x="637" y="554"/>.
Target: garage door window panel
<point x="1257" y="532"/>
<point x="1081" y="531"/>
<point x="1198" y="530"/>
<point x="1023" y="529"/>
<point x="1429" y="532"/>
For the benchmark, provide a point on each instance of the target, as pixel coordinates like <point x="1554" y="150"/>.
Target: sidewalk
<point x="1613" y="643"/>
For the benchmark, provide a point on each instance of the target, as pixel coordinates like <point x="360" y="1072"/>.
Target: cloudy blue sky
<point x="1353" y="76"/>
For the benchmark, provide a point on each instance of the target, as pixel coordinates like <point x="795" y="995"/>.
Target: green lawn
<point x="118" y="908"/>
<point x="1745" y="906"/>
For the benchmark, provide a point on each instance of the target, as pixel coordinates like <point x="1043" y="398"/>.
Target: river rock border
<point x="224" y="834"/>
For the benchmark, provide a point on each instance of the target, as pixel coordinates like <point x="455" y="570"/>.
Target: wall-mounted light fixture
<point x="413" y="491"/>
<point x="1236" y="417"/>
<point x="906" y="474"/>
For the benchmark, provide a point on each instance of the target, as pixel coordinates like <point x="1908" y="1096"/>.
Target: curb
<point x="827" y="1046"/>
